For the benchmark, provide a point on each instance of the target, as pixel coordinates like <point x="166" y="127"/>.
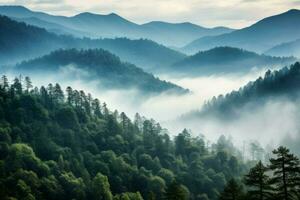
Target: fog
<point x="268" y="124"/>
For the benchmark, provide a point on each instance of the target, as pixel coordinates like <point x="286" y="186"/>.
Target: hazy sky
<point x="232" y="13"/>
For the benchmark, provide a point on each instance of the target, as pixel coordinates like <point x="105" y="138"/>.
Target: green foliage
<point x="176" y="191"/>
<point x="70" y="146"/>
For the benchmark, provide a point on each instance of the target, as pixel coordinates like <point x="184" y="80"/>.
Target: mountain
<point x="20" y="41"/>
<point x="284" y="83"/>
<point x="226" y="60"/>
<point x="286" y="49"/>
<point x="113" y="25"/>
<point x="100" y="65"/>
<point x="143" y="52"/>
<point x="259" y="37"/>
<point x="177" y="34"/>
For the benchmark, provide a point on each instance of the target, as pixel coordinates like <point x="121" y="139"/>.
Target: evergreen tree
<point x="258" y="182"/>
<point x="28" y="84"/>
<point x="286" y="173"/>
<point x="232" y="191"/>
<point x="4" y="83"/>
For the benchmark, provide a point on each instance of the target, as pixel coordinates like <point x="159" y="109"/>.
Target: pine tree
<point x="232" y="191"/>
<point x="258" y="182"/>
<point x="58" y="93"/>
<point x="4" y="84"/>
<point x="69" y="91"/>
<point x="17" y="86"/>
<point x="286" y="173"/>
<point x="28" y="84"/>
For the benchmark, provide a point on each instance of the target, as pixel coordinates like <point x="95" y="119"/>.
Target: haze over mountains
<point x="259" y="37"/>
<point x="67" y="83"/>
<point x="112" y="25"/>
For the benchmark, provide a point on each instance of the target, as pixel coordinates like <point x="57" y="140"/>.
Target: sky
<point x="209" y="13"/>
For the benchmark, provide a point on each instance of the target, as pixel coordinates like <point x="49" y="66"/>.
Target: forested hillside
<point x="68" y="145"/>
<point x="284" y="83"/>
<point x="227" y="60"/>
<point x="99" y="65"/>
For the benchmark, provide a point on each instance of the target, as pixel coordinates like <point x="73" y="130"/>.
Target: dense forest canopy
<point x="68" y="145"/>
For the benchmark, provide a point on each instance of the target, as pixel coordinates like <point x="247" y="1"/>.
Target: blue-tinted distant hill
<point x="20" y="41"/>
<point x="98" y="65"/>
<point x="226" y="60"/>
<point x="113" y="25"/>
<point x="259" y="37"/>
<point x="286" y="49"/>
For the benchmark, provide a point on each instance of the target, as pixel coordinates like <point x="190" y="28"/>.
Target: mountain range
<point x="113" y="25"/>
<point x="258" y="37"/>
<point x="20" y="41"/>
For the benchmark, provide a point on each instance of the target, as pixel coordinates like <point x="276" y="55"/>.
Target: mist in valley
<point x="276" y="118"/>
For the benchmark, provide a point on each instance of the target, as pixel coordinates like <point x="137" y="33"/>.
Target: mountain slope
<point x="51" y="27"/>
<point x="112" y="25"/>
<point x="259" y="37"/>
<point x="226" y="60"/>
<point x="20" y="41"/>
<point x="286" y="49"/>
<point x="284" y="83"/>
<point x="100" y="65"/>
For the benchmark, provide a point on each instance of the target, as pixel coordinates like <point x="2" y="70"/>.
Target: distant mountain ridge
<point x="112" y="25"/>
<point x="226" y="60"/>
<point x="100" y="65"/>
<point x="20" y="41"/>
<point x="258" y="37"/>
<point x="286" y="49"/>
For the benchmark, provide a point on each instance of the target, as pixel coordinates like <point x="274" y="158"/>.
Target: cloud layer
<point x="232" y="13"/>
